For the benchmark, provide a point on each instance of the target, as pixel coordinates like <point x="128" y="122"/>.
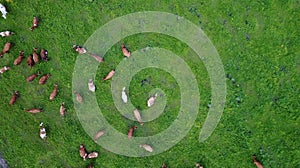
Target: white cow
<point x="42" y="131"/>
<point x="3" y="11"/>
<point x="91" y="85"/>
<point x="6" y="33"/>
<point x="124" y="96"/>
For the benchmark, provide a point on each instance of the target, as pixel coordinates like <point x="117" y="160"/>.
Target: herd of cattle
<point x="34" y="58"/>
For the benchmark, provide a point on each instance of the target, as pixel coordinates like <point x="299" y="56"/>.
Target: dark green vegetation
<point x="258" y="43"/>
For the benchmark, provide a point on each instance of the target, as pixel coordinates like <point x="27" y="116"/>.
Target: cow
<point x="14" y="98"/>
<point x="35" y="23"/>
<point x="19" y="59"/>
<point x="42" y="131"/>
<point x="5" y="49"/>
<point x="125" y="51"/>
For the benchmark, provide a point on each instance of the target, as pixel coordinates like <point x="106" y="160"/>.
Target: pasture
<point x="258" y="43"/>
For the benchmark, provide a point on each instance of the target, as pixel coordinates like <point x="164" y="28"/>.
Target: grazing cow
<point x="93" y="155"/>
<point x="35" y="56"/>
<point x="44" y="79"/>
<point x="42" y="131"/>
<point x="109" y="75"/>
<point x="82" y="152"/>
<point x="96" y="57"/>
<point x="90" y="166"/>
<point x="125" y="51"/>
<point x="19" y="59"/>
<point x="164" y="166"/>
<point x="35" y="23"/>
<point x="32" y="77"/>
<point x="151" y="100"/>
<point x="30" y="61"/>
<point x="5" y="49"/>
<point x="14" y="98"/>
<point x="124" y="96"/>
<point x="6" y="33"/>
<point x="78" y="97"/>
<point x="54" y="92"/>
<point x="62" y="109"/>
<point x="79" y="49"/>
<point x="131" y="130"/>
<point x="98" y="135"/>
<point x="137" y="115"/>
<point x="198" y="165"/>
<point x="257" y="163"/>
<point x="146" y="147"/>
<point x="4" y="69"/>
<point x="44" y="54"/>
<point x="91" y="85"/>
<point x="34" y="110"/>
<point x="3" y="11"/>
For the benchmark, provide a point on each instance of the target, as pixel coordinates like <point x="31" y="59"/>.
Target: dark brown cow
<point x="131" y="130"/>
<point x="14" y="98"/>
<point x="30" y="61"/>
<point x="44" y="54"/>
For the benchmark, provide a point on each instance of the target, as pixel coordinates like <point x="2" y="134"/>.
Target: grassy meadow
<point x="258" y="43"/>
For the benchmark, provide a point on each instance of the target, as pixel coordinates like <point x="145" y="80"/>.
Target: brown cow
<point x="54" y="92"/>
<point x="82" y="152"/>
<point x="131" y="130"/>
<point x="32" y="77"/>
<point x="19" y="59"/>
<point x="34" y="110"/>
<point x="98" y="135"/>
<point x="147" y="147"/>
<point x="78" y="97"/>
<point x="62" y="109"/>
<point x="35" y="23"/>
<point x="138" y="117"/>
<point x="44" y="79"/>
<point x="79" y="49"/>
<point x="96" y="57"/>
<point x="30" y="61"/>
<point x="14" y="98"/>
<point x="5" y="49"/>
<point x="125" y="51"/>
<point x="35" y="56"/>
<point x="257" y="163"/>
<point x="109" y="75"/>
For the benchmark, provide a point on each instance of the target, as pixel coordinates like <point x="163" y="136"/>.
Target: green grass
<point x="258" y="43"/>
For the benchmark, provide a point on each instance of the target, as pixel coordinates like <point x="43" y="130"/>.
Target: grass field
<point x="258" y="43"/>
